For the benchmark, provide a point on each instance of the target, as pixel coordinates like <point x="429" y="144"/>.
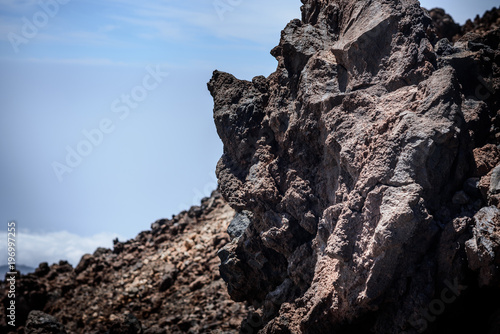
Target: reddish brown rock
<point x="164" y="281"/>
<point x="486" y="158"/>
<point x="353" y="162"/>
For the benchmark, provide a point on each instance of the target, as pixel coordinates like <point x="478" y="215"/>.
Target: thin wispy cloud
<point x="18" y="5"/>
<point x="238" y="22"/>
<point x="108" y="28"/>
<point x="148" y="26"/>
<point x="156" y="28"/>
<point x="82" y="61"/>
<point x="95" y="38"/>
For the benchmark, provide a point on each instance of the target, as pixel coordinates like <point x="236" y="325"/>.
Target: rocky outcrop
<point x="364" y="168"/>
<point x="166" y="280"/>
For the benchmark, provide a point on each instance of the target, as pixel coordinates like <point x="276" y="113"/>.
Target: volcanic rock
<point x="166" y="280"/>
<point x="483" y="249"/>
<point x="352" y="159"/>
<point x="41" y="323"/>
<point x="361" y="185"/>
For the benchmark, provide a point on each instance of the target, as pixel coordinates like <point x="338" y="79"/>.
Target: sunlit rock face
<point x="364" y="168"/>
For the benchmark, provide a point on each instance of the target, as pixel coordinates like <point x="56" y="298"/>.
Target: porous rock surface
<point x="365" y="167"/>
<point x="164" y="281"/>
<point x="42" y="323"/>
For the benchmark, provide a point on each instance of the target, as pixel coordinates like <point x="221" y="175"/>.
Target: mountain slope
<point x="167" y="278"/>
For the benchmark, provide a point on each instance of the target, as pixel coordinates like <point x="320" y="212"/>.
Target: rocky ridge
<point x="166" y="280"/>
<point x="366" y="168"/>
<point x="446" y="27"/>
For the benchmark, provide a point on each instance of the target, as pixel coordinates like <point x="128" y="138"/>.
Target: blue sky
<point x="123" y="84"/>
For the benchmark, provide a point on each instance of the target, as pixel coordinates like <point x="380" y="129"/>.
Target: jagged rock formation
<point x="364" y="168"/>
<point x="164" y="281"/>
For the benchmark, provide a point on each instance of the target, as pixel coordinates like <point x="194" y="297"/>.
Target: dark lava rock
<point x="130" y="325"/>
<point x="238" y="225"/>
<point x="42" y="323"/>
<point x="352" y="158"/>
<point x="495" y="181"/>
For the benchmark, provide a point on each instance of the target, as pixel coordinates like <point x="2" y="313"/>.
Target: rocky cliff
<point x="365" y="173"/>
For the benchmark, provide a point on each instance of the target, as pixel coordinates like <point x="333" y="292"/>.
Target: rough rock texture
<point x="365" y="180"/>
<point x="164" y="281"/>
<point x="41" y="323"/>
<point x="364" y="165"/>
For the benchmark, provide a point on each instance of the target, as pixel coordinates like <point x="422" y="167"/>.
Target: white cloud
<point x="34" y="248"/>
